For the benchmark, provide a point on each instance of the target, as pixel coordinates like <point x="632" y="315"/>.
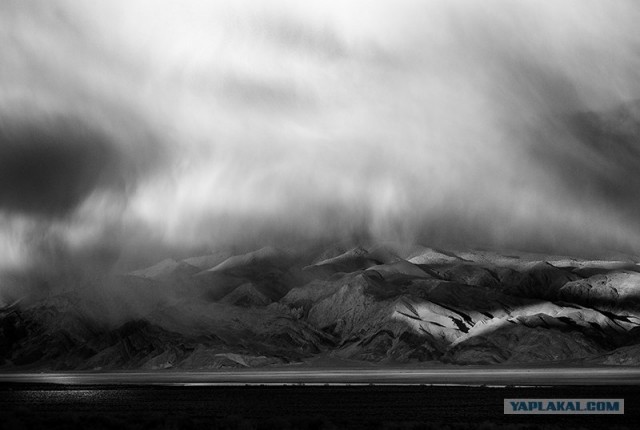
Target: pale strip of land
<point x="435" y="376"/>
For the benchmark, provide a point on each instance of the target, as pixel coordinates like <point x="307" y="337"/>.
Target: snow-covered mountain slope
<point x="269" y="307"/>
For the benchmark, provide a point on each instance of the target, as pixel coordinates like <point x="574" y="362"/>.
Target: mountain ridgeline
<point x="380" y="305"/>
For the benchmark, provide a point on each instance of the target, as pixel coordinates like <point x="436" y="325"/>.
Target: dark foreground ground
<point x="297" y="407"/>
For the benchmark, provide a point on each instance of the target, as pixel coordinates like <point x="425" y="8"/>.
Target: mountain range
<point x="374" y="305"/>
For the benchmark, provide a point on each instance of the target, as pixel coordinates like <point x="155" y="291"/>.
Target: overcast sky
<point x="154" y="124"/>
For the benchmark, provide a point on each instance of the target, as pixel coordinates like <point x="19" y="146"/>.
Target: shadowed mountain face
<point x="374" y="304"/>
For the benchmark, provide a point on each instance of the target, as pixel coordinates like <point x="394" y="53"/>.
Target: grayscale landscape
<point x="265" y="214"/>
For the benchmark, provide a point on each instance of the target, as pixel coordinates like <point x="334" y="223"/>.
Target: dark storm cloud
<point x="595" y="155"/>
<point x="441" y="121"/>
<point x="48" y="167"/>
